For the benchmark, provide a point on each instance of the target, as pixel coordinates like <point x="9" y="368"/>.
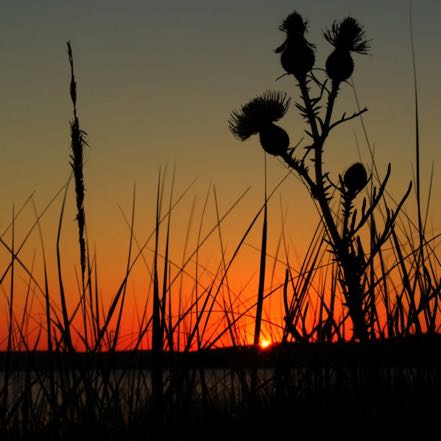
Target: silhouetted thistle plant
<point x="259" y="115"/>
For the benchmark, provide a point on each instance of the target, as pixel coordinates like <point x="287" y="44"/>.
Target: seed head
<point x="297" y="54"/>
<point x="348" y="34"/>
<point x="258" y="114"/>
<point x="294" y="26"/>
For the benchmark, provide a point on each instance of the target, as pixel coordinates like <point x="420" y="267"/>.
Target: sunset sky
<point x="157" y="81"/>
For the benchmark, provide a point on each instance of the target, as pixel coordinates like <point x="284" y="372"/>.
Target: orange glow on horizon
<point x="210" y="291"/>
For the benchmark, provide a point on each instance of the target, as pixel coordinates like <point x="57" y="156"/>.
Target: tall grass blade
<point x="262" y="269"/>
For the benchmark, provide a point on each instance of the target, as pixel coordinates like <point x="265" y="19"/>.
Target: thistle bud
<point x="297" y="59"/>
<point x="297" y="54"/>
<point x="355" y="178"/>
<point x="346" y="36"/>
<point x="258" y="117"/>
<point x="273" y="139"/>
<point x="339" y="65"/>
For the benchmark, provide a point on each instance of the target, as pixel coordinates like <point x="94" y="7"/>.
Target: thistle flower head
<point x="294" y="25"/>
<point x="295" y="28"/>
<point x="258" y="114"/>
<point x="348" y="34"/>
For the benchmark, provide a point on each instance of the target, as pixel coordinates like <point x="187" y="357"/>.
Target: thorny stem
<point x="309" y="108"/>
<point x="301" y="170"/>
<point x="342" y="245"/>
<point x="349" y="262"/>
<point x="329" y="109"/>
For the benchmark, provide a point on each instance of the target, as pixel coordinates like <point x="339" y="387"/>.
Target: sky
<point x="157" y="81"/>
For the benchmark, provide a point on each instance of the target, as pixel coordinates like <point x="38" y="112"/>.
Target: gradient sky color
<point x="157" y="81"/>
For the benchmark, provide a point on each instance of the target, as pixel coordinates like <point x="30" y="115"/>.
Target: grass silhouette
<point x="359" y="344"/>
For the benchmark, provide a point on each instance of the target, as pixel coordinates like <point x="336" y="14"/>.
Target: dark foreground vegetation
<point x="380" y="390"/>
<point x="358" y="352"/>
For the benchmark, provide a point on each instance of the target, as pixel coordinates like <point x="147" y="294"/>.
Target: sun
<point x="265" y="343"/>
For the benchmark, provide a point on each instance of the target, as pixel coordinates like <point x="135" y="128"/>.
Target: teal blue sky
<point x="158" y="79"/>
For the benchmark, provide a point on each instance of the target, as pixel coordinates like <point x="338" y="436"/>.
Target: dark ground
<point x="383" y="390"/>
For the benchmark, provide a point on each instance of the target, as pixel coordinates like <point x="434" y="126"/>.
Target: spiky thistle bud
<point x="346" y="36"/>
<point x="258" y="117"/>
<point x="355" y="178"/>
<point x="297" y="54"/>
<point x="273" y="139"/>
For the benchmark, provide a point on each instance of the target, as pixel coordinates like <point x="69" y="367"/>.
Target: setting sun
<point x="265" y="343"/>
